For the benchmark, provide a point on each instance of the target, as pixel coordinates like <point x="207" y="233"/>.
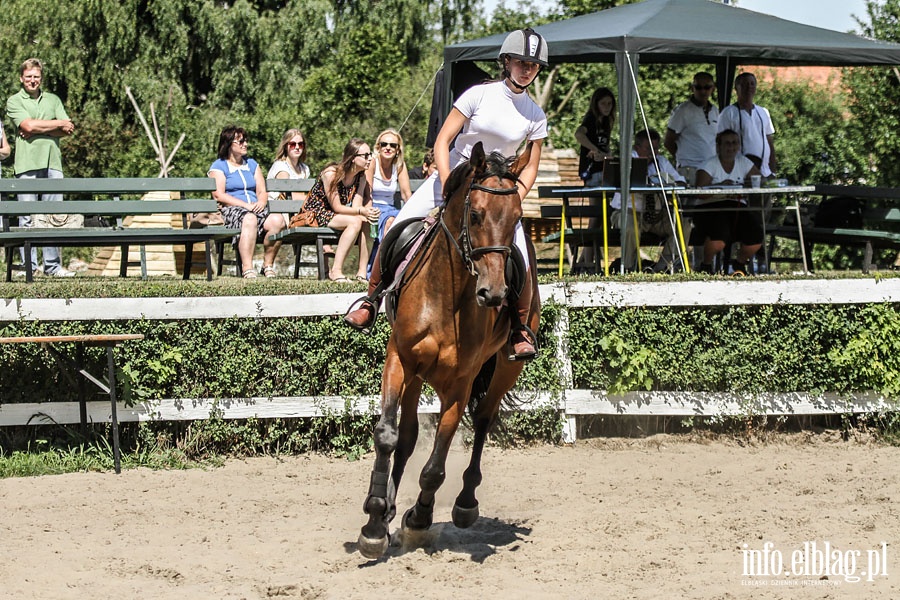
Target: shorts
<point x="744" y="226"/>
<point x="234" y="219"/>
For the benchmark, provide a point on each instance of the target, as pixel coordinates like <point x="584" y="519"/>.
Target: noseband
<point x="464" y="247"/>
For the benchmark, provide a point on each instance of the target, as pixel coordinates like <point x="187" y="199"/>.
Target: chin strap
<point x="521" y="88"/>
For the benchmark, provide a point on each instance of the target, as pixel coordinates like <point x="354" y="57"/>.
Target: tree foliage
<point x="875" y="97"/>
<point x="343" y="68"/>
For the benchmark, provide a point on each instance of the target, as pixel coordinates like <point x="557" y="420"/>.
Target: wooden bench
<point x="881" y="225"/>
<point x="108" y="341"/>
<point x="14" y="237"/>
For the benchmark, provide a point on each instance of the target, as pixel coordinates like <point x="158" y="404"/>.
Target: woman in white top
<point x="729" y="167"/>
<point x="290" y="163"/>
<point x="501" y="115"/>
<point x="387" y="175"/>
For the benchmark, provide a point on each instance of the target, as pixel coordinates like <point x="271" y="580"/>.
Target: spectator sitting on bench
<point x="652" y="217"/>
<point x="720" y="227"/>
<point x="341" y="199"/>
<point x="241" y="194"/>
<point x="386" y="176"/>
<point x="290" y="163"/>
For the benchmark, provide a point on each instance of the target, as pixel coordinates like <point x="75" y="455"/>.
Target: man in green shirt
<point x="39" y="120"/>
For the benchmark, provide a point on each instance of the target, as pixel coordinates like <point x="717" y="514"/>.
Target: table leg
<point x="82" y="393"/>
<point x="562" y="237"/>
<point x="605" y="225"/>
<point x="29" y="268"/>
<point x="117" y="461"/>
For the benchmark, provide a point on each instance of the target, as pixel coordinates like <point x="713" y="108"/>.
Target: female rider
<point x="501" y="115"/>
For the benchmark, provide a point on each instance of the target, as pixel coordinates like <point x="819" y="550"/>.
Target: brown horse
<point x="451" y="321"/>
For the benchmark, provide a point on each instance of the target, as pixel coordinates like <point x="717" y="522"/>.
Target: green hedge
<point x="776" y="348"/>
<point x="223" y="358"/>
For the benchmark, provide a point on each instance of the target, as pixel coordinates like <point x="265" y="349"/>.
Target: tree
<point x="875" y="97"/>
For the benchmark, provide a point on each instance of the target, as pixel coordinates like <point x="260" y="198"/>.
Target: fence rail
<point x="572" y="403"/>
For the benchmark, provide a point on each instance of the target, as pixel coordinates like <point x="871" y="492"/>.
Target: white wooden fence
<point x="571" y="402"/>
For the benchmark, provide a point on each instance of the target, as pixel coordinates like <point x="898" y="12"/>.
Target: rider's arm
<point x="452" y="125"/>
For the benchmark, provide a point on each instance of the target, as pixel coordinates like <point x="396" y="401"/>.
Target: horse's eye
<point x="475" y="218"/>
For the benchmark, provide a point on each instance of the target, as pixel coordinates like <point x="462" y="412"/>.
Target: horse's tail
<point x="481" y="384"/>
<point x="480" y="387"/>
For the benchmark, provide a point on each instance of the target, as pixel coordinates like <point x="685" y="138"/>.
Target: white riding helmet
<point x="525" y="44"/>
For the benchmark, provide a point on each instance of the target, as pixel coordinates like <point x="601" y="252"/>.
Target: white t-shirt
<point x="738" y="175"/>
<point x="696" y="131"/>
<point x="283" y="166"/>
<point x="497" y="118"/>
<point x="753" y="127"/>
<point x="383" y="189"/>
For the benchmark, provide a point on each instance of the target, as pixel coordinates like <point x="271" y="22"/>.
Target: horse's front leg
<point x="420" y="516"/>
<point x="465" y="508"/>
<point x="380" y="503"/>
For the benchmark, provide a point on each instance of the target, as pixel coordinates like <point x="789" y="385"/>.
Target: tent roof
<point x="691" y="31"/>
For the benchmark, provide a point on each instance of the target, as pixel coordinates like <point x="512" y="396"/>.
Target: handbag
<point x="50" y="221"/>
<point x="206" y="219"/>
<point x="304" y="218"/>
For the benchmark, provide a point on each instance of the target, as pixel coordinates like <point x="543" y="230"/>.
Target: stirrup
<point x="530" y="335"/>
<point x="367" y="303"/>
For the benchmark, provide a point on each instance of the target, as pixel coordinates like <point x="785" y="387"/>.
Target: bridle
<point x="464" y="244"/>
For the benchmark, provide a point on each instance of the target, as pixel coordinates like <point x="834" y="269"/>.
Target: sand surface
<point x="657" y="518"/>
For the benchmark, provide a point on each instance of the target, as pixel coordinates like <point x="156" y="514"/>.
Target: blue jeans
<point x="52" y="261"/>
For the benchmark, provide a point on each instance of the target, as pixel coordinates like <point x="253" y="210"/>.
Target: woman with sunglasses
<point x="290" y="163"/>
<point x="501" y="115"/>
<point x="387" y="175"/>
<point x="342" y="199"/>
<point x="243" y="201"/>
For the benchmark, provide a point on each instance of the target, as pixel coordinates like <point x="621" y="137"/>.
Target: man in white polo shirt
<point x="753" y="124"/>
<point x="691" y="132"/>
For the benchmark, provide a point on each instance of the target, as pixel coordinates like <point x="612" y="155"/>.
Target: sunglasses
<point x="703" y="87"/>
<point x="292" y="145"/>
<point x="242" y="142"/>
<point x="366" y="155"/>
<point x="393" y="145"/>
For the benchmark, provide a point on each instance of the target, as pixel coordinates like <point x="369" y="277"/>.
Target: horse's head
<point x="483" y="202"/>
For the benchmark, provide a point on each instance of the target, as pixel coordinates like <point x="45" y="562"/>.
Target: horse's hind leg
<point x="380" y="503"/>
<point x="420" y="516"/>
<point x="465" y="509"/>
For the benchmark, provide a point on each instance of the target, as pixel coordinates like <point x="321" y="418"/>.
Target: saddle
<point x="406" y="239"/>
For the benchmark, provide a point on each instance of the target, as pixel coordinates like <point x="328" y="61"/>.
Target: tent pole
<point x="625" y="65"/>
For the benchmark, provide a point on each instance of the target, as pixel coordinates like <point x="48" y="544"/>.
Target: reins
<point x="464" y="246"/>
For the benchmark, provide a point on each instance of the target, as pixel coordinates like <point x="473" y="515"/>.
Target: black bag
<point x="841" y="212"/>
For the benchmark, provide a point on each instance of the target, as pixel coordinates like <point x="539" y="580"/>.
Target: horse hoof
<point x="407" y="523"/>
<point x="464" y="517"/>
<point x="371" y="547"/>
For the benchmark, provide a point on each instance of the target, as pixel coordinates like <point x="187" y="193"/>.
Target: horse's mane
<point x="496" y="164"/>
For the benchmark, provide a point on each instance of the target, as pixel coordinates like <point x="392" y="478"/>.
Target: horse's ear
<point x="519" y="164"/>
<point x="477" y="160"/>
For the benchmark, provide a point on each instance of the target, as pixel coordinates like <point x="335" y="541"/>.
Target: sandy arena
<point x="660" y="518"/>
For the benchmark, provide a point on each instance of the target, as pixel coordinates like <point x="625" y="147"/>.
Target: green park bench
<point x="880" y="224"/>
<point x="86" y="190"/>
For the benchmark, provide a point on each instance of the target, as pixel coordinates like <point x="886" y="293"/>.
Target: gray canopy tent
<point x="676" y="31"/>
